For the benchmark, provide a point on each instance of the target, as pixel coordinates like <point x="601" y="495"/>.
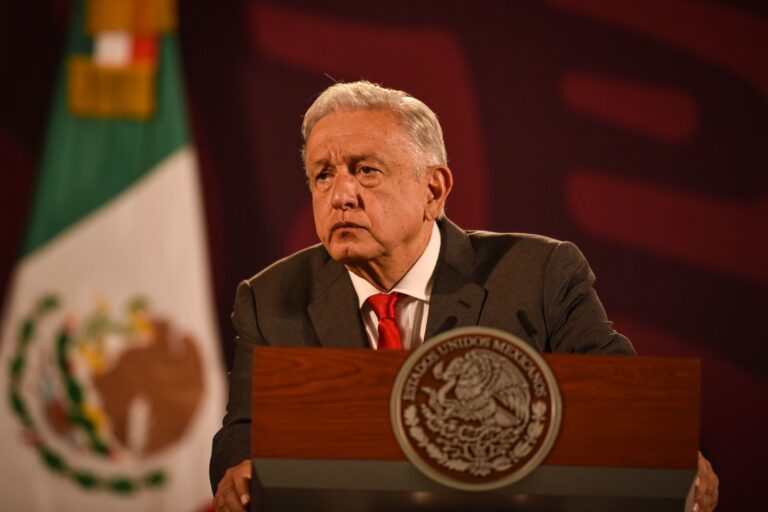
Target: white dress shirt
<point x="413" y="309"/>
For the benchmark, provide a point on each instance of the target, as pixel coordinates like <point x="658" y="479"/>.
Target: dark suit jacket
<point x="482" y="278"/>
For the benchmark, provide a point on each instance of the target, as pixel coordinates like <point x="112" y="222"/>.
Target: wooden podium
<point x="322" y="437"/>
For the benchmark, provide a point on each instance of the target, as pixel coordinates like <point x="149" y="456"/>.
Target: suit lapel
<point x="456" y="300"/>
<point x="334" y="310"/>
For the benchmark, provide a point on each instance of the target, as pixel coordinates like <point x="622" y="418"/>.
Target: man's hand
<point x="704" y="492"/>
<point x="232" y="494"/>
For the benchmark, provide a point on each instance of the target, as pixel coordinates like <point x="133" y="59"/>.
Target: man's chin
<point x="349" y="253"/>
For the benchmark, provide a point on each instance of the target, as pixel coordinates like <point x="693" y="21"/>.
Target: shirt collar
<point x="416" y="283"/>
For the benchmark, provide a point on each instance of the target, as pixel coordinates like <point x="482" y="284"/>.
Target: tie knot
<point x="383" y="304"/>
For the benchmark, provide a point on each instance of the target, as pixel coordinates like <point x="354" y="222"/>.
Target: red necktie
<point x="383" y="305"/>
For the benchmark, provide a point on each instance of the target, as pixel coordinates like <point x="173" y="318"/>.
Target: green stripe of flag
<point x="87" y="162"/>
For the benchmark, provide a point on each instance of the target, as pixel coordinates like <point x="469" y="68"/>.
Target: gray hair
<point x="417" y="119"/>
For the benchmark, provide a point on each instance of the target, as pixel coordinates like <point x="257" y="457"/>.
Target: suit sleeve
<point x="232" y="443"/>
<point x="575" y="319"/>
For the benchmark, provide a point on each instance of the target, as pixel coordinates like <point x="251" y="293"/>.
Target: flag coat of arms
<point x="111" y="372"/>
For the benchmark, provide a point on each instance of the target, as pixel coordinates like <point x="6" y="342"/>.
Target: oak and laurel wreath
<point x="532" y="433"/>
<point x="51" y="458"/>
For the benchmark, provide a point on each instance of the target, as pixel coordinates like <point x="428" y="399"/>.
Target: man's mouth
<point x="343" y="225"/>
<point x="340" y="227"/>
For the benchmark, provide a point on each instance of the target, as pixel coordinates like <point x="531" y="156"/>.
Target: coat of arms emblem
<point x="475" y="408"/>
<point x="97" y="393"/>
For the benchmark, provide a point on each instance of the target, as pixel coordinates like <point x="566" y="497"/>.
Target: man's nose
<point x="344" y="194"/>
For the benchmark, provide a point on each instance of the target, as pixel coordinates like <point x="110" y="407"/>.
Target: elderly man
<point x="392" y="271"/>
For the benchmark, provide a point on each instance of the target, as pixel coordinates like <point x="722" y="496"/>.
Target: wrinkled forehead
<point x="361" y="131"/>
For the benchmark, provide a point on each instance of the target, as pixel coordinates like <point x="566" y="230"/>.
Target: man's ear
<point x="439" y="183"/>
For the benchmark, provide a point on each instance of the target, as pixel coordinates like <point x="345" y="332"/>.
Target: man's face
<point x="369" y="205"/>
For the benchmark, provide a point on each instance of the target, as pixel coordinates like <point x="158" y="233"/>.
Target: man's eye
<point x="367" y="170"/>
<point x="322" y="176"/>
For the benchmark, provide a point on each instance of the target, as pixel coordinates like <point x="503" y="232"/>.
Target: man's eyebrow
<point x="351" y="159"/>
<point x="366" y="156"/>
<point x="318" y="163"/>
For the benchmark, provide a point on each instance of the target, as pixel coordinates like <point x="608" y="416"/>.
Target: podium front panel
<point x="322" y="436"/>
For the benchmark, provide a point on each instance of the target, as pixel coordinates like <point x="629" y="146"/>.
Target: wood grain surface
<point x="617" y="411"/>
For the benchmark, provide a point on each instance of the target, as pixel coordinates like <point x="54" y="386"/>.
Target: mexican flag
<point x="110" y="370"/>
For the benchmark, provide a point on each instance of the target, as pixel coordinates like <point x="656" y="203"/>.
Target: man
<point x="377" y="171"/>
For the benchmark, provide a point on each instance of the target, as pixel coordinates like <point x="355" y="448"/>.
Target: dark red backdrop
<point x="636" y="129"/>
